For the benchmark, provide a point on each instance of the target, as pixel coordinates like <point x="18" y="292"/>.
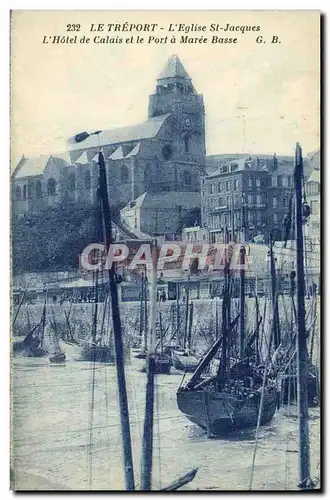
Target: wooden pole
<point x="145" y="301"/>
<point x="302" y="354"/>
<point x="276" y="321"/>
<point x="121" y="381"/>
<point x="186" y="317"/>
<point x="191" y="314"/>
<point x="242" y="303"/>
<point x="147" y="443"/>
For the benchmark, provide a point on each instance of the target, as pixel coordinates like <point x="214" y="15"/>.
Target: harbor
<point x="52" y="446"/>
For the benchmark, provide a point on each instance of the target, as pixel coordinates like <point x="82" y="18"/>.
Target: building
<point x="244" y="197"/>
<point x="234" y="201"/>
<point x="313" y="199"/>
<point x="164" y="154"/>
<point x="159" y="213"/>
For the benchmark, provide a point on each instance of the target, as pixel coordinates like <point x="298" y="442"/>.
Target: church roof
<point x="145" y="130"/>
<point x="117" y="154"/>
<point x="134" y="151"/>
<point x="174" y="68"/>
<point x="30" y="167"/>
<point x="82" y="159"/>
<point x="165" y="200"/>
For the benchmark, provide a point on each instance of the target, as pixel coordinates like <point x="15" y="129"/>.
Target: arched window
<point x="18" y="193"/>
<point x="51" y="187"/>
<point x="87" y="180"/>
<point x="147" y="177"/>
<point x="186" y="143"/>
<point x="187" y="178"/>
<point x="72" y="181"/>
<point x="24" y="191"/>
<point x="38" y="189"/>
<point x="124" y="174"/>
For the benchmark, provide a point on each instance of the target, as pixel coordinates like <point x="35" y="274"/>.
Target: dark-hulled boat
<point x="182" y="360"/>
<point x="241" y="394"/>
<point x="59" y="357"/>
<point x="98" y="353"/>
<point x="217" y="411"/>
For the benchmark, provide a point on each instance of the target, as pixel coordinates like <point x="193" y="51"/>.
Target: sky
<point x="259" y="98"/>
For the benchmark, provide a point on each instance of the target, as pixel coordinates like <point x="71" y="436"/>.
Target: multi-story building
<point x="234" y="200"/>
<point x="247" y="197"/>
<point x="313" y="199"/>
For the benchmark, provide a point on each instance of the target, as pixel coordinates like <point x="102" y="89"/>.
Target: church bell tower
<point x="175" y="94"/>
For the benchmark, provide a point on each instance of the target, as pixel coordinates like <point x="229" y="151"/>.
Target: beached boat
<point x="60" y="357"/>
<point x="233" y="397"/>
<point x="182" y="360"/>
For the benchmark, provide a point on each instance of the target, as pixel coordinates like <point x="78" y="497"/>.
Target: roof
<point x="30" y="167"/>
<point x="174" y="68"/>
<point x="167" y="200"/>
<point x="315" y="176"/>
<point x="117" y="154"/>
<point x="82" y="158"/>
<point x="214" y="160"/>
<point x="134" y="151"/>
<point x="145" y="130"/>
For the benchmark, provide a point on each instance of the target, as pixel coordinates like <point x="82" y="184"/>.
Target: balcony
<point x="218" y="209"/>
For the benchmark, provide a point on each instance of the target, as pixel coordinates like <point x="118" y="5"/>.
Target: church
<point x="153" y="168"/>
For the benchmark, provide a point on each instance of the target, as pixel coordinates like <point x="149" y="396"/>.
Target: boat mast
<point x="145" y="301"/>
<point x="302" y="354"/>
<point x="191" y="314"/>
<point x="186" y="312"/>
<point x="141" y="329"/>
<point x="121" y="382"/>
<point x="276" y="320"/>
<point x="242" y="303"/>
<point x="225" y="321"/>
<point x="146" y="462"/>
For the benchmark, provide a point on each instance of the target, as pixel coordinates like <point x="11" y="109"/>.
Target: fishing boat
<point x="60" y="357"/>
<point x="184" y="361"/>
<point x="232" y="398"/>
<point x="217" y="407"/>
<point x="184" y="358"/>
<point x="33" y="343"/>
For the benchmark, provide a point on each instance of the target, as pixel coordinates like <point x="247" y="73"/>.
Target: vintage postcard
<point x="165" y="226"/>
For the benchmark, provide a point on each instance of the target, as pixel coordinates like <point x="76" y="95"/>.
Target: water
<point x="58" y="442"/>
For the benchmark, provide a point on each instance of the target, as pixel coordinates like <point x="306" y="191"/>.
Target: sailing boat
<point x="163" y="362"/>
<point x="98" y="348"/>
<point x="231" y="398"/>
<point x="58" y="356"/>
<point x="184" y="359"/>
<point x="33" y="344"/>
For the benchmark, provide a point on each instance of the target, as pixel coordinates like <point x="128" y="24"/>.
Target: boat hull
<point x="217" y="412"/>
<point x="185" y="363"/>
<point x="57" y="358"/>
<point x="97" y="353"/>
<point x="163" y="364"/>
